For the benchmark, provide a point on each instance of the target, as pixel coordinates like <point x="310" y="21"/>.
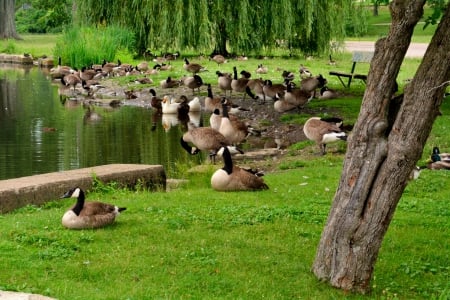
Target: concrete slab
<point x="38" y="189"/>
<point x="5" y="295"/>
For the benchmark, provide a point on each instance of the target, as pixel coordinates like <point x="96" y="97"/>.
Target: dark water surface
<point x="42" y="132"/>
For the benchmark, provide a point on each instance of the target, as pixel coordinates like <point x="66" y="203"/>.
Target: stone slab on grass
<point x="38" y="189"/>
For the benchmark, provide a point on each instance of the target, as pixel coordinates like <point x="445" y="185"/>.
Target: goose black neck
<point x="228" y="162"/>
<point x="235" y="73"/>
<point x="225" y="110"/>
<point x="210" y="94"/>
<point x="185" y="145"/>
<point x="80" y="203"/>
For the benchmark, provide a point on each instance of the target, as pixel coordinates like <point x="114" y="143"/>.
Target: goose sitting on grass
<point x="85" y="215"/>
<point x="234" y="178"/>
<point x="439" y="161"/>
<point x="324" y="131"/>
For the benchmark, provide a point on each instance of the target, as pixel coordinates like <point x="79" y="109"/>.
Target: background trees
<point x="221" y="26"/>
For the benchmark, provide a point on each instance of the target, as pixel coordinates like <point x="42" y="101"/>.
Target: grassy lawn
<point x="195" y="243"/>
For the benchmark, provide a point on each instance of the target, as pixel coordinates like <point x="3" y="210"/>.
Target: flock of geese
<point x="226" y="131"/>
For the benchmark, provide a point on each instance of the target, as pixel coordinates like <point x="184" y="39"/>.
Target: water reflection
<point x="43" y="131"/>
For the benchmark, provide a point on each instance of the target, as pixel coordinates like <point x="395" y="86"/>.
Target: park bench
<point x="357" y="57"/>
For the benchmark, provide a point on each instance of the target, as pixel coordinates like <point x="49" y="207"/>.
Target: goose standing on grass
<point x="224" y="82"/>
<point x="323" y="132"/>
<point x="312" y="83"/>
<point x="219" y="59"/>
<point x="193" y="68"/>
<point x="239" y="85"/>
<point x="233" y="129"/>
<point x="192" y="82"/>
<point x="205" y="139"/>
<point x="234" y="178"/>
<point x="85" y="215"/>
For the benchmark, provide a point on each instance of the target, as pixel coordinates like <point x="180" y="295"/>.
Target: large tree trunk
<point x="384" y="147"/>
<point x="7" y="20"/>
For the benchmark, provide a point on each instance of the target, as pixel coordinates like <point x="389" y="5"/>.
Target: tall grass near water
<point x="87" y="45"/>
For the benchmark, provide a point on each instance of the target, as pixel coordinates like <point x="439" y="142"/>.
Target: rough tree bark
<point x="385" y="145"/>
<point x="7" y="20"/>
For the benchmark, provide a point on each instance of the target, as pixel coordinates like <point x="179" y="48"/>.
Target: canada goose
<point x="192" y="82"/>
<point x="183" y="108"/>
<point x="438" y="165"/>
<point x="169" y="107"/>
<point x="192" y="67"/>
<point x="224" y="81"/>
<point x="232" y="127"/>
<point x="296" y="97"/>
<point x="60" y="71"/>
<point x="219" y="59"/>
<point x="166" y="67"/>
<point x="71" y="80"/>
<point x="331" y="61"/>
<point x="245" y="74"/>
<point x="85" y="215"/>
<point x="205" y="139"/>
<point x="239" y="85"/>
<point x="323" y="132"/>
<point x="215" y="119"/>
<point x="261" y="69"/>
<point x="255" y="86"/>
<point x="86" y="74"/>
<point x="312" y="83"/>
<point x="91" y="86"/>
<point x="234" y="178"/>
<point x="169" y="83"/>
<point x="211" y="102"/>
<point x="154" y="70"/>
<point x="438" y="156"/>
<point x="171" y="56"/>
<point x="130" y="94"/>
<point x="143" y="80"/>
<point x="304" y="72"/>
<point x="287" y="76"/>
<point x="142" y="66"/>
<point x="108" y="67"/>
<point x="242" y="57"/>
<point x="155" y="102"/>
<point x="327" y="93"/>
<point x="281" y="105"/>
<point x="271" y="90"/>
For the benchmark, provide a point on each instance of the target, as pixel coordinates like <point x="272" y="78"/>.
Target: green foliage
<point x="84" y="46"/>
<point x="40" y="16"/>
<point x="240" y="26"/>
<point x="10" y="47"/>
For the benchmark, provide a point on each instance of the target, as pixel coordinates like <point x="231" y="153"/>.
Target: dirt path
<point x="414" y="50"/>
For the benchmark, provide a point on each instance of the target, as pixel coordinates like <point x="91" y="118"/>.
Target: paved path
<point x="414" y="50"/>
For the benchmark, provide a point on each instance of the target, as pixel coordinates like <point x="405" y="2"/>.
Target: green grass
<point x="378" y="26"/>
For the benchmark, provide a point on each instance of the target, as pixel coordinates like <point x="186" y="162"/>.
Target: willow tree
<point x="386" y="143"/>
<point x="239" y="25"/>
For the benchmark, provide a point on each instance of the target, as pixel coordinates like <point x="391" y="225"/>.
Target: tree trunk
<point x="221" y="39"/>
<point x="375" y="8"/>
<point x="7" y="20"/>
<point x="380" y="156"/>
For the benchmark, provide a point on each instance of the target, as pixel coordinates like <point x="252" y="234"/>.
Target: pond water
<point x="41" y="131"/>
